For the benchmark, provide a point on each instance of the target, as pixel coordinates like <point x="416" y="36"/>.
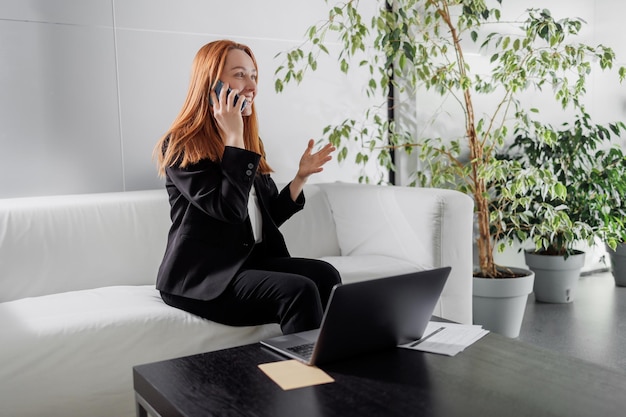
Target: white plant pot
<point x="556" y="277"/>
<point x="499" y="304"/>
<point x="618" y="264"/>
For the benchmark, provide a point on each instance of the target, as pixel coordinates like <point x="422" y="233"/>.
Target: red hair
<point x="194" y="134"/>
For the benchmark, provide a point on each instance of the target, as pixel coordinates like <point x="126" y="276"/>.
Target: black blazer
<point x="211" y="234"/>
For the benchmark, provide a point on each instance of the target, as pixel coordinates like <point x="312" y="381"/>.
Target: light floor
<point x="592" y="327"/>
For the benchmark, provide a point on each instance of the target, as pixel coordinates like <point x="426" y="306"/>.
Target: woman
<point x="225" y="258"/>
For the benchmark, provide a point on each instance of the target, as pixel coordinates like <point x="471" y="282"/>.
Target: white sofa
<point x="78" y="307"/>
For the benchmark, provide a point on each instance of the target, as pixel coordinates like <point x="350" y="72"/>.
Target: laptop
<point x="367" y="316"/>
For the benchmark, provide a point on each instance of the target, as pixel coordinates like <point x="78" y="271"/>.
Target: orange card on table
<point x="292" y="374"/>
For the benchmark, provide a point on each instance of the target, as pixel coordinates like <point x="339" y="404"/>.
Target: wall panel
<point x="58" y="110"/>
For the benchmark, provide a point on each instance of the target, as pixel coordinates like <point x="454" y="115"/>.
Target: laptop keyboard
<point x="305" y="350"/>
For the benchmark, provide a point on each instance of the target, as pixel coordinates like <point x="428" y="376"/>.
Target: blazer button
<point x="250" y="165"/>
<point x="248" y="172"/>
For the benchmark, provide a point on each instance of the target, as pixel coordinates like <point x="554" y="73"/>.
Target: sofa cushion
<point x="72" y="353"/>
<point x="311" y="232"/>
<point x="384" y="224"/>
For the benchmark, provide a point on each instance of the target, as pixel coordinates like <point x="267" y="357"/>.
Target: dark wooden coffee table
<point x="494" y="377"/>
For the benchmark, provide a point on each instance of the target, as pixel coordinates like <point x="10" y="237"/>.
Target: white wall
<point x="88" y="86"/>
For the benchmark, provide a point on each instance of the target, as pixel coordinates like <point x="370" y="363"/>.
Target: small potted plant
<point x="579" y="157"/>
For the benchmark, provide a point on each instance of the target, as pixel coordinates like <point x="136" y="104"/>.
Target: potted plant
<point x="580" y="158"/>
<point x="617" y="257"/>
<point x="609" y="203"/>
<point x="416" y="48"/>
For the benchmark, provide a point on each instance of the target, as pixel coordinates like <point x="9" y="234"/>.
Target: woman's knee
<point x="298" y="286"/>
<point x="324" y="273"/>
<point x="333" y="275"/>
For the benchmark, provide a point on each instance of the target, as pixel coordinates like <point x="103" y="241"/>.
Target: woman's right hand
<point x="227" y="114"/>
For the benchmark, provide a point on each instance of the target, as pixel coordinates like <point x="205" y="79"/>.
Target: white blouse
<point x="254" y="212"/>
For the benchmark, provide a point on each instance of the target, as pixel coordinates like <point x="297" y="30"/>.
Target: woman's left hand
<point x="310" y="163"/>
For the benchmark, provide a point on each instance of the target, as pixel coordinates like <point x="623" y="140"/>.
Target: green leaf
<point x="344" y="66"/>
<point x="402" y="61"/>
<point x="343" y="153"/>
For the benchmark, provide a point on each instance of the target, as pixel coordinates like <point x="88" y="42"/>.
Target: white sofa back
<point x="56" y="244"/>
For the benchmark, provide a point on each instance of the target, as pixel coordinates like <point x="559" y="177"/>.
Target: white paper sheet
<point x="447" y="338"/>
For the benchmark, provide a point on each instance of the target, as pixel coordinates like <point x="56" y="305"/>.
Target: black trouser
<point x="290" y="291"/>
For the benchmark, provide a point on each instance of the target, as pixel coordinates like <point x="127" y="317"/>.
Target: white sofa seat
<point x="364" y="267"/>
<point x="78" y="306"/>
<point x="87" y="342"/>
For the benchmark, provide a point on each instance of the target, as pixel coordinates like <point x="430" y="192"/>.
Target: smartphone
<point x="218" y="88"/>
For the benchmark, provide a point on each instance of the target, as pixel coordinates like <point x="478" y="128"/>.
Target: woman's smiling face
<point x="240" y="74"/>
